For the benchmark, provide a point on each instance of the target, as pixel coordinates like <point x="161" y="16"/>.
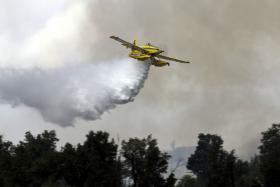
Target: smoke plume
<point x="231" y="88"/>
<point x="83" y="91"/>
<point x="53" y="69"/>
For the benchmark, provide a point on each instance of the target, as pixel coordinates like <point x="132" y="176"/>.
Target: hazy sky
<point x="231" y="88"/>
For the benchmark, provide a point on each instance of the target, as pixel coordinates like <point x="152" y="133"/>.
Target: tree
<point x="170" y="180"/>
<point x="248" y="173"/>
<point x="5" y="161"/>
<point x="188" y="181"/>
<point x="92" y="164"/>
<point x="270" y="156"/>
<point x="145" y="163"/>
<point x="212" y="165"/>
<point x="34" y="160"/>
<point x="72" y="169"/>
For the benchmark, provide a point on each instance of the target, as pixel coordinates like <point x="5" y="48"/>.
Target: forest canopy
<point x="136" y="162"/>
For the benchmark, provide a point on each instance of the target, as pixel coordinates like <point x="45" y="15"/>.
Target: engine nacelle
<point x="160" y="63"/>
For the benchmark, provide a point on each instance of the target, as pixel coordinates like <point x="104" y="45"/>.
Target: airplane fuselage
<point x="144" y="56"/>
<point x="151" y="51"/>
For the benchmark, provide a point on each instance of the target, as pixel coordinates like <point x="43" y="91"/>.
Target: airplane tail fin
<point x="135" y="42"/>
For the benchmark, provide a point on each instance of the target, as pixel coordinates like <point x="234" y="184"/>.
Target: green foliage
<point x="170" y="181"/>
<point x="36" y="162"/>
<point x="5" y="161"/>
<point x="92" y="163"/>
<point x="270" y="156"/>
<point x="212" y="165"/>
<point x="215" y="167"/>
<point x="248" y="173"/>
<point x="34" y="159"/>
<point x="145" y="163"/>
<point x="189" y="181"/>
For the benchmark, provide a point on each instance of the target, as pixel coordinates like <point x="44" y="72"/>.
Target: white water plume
<point x="84" y="91"/>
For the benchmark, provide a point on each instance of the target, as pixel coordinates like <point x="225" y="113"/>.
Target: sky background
<point x="231" y="87"/>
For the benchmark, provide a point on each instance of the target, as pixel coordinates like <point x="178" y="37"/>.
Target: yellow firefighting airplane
<point x="146" y="52"/>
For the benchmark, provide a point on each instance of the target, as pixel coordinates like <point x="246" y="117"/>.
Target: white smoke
<point x="53" y="68"/>
<point x="82" y="91"/>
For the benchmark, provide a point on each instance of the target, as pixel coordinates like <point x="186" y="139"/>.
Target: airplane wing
<point x="129" y="45"/>
<point x="171" y="59"/>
